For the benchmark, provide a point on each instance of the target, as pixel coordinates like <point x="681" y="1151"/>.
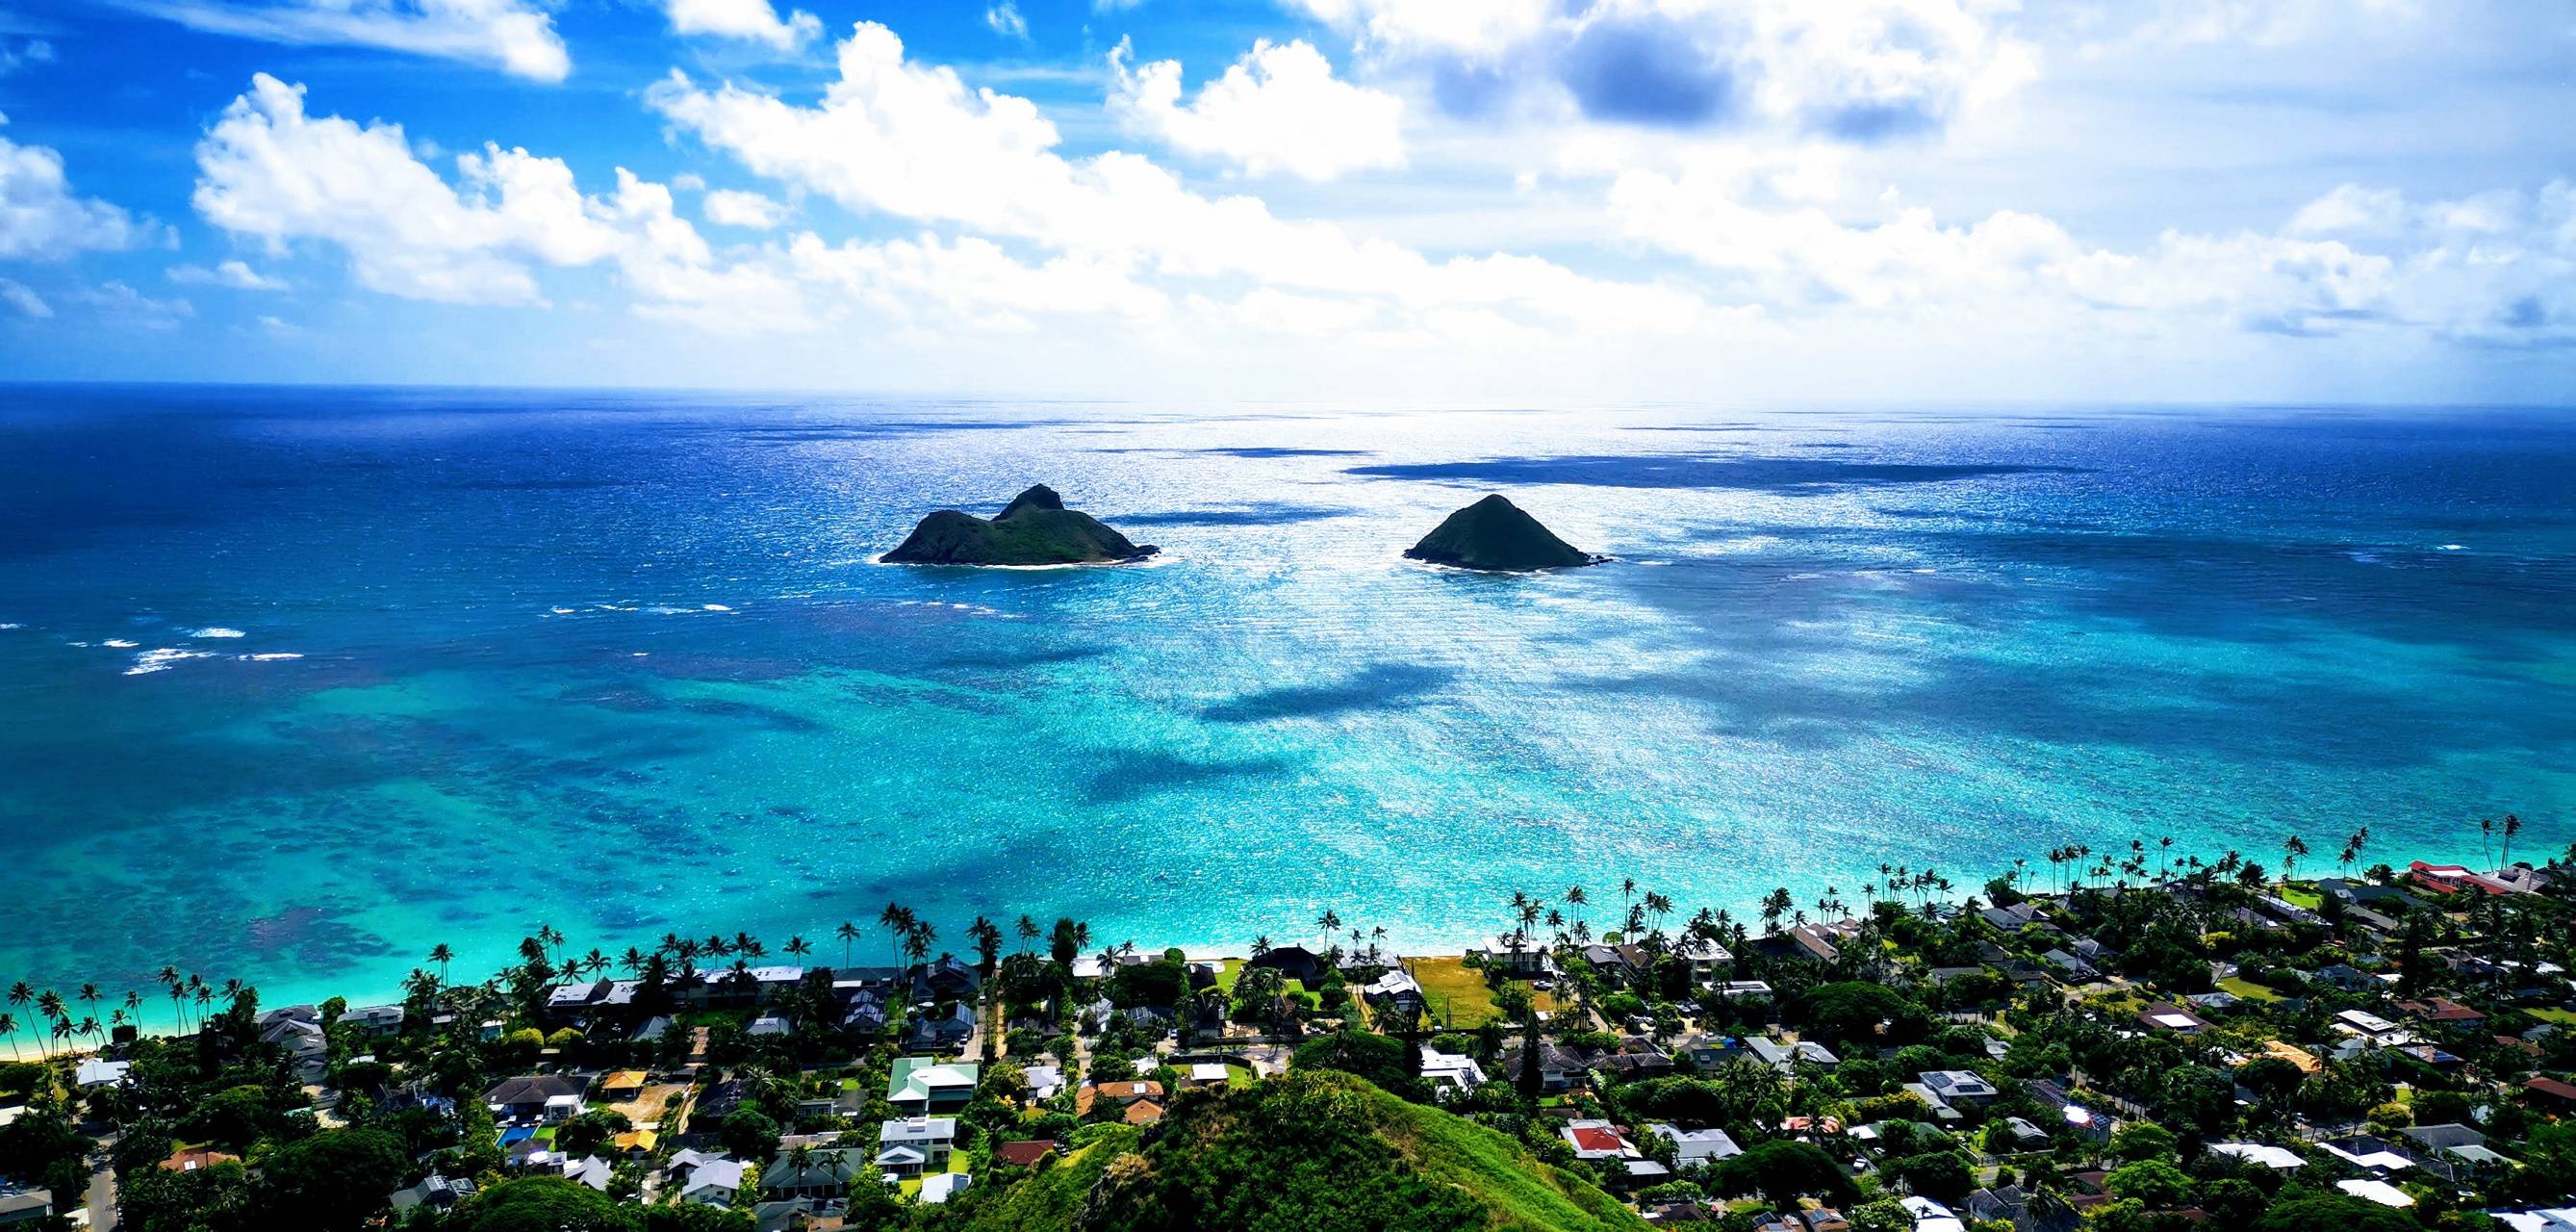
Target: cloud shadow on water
<point x="1382" y="686"/>
<point x="1133" y="774"/>
<point x="1266" y="513"/>
<point x="1789" y="476"/>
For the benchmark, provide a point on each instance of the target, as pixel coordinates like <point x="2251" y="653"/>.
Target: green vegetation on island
<point x="1034" y="529"/>
<point x="1495" y="534"/>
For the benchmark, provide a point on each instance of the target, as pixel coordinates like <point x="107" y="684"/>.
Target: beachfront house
<point x="931" y="1031"/>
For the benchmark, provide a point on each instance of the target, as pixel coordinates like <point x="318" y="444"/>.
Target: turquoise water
<point x="621" y="664"/>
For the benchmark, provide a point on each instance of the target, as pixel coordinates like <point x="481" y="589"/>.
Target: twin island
<point x="1036" y="529"/>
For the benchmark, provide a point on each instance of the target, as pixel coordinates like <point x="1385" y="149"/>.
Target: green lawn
<point x="2248" y="989"/>
<point x="2298" y="896"/>
<point x="1457" y="993"/>
<point x="2562" y="1017"/>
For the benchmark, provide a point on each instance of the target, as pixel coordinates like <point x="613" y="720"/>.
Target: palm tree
<point x="9" y="1028"/>
<point x="1260" y="945"/>
<point x="442" y="955"/>
<point x="1330" y="922"/>
<point x="798" y="947"/>
<point x="2486" y="837"/>
<point x="90" y="995"/>
<point x="2291" y="849"/>
<point x="1574" y="898"/>
<point x="2512" y="827"/>
<point x="848" y="933"/>
<point x="897" y="920"/>
<point x="1029" y="933"/>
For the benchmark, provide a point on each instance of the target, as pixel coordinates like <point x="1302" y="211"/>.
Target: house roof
<point x="625" y="1078"/>
<point x="531" y="1089"/>
<point x="1023" y="1154"/>
<point x="1144" y="1112"/>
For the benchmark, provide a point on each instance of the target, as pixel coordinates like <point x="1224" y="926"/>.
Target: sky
<point x="1488" y="201"/>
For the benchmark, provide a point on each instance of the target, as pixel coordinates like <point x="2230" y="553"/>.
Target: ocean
<point x="298" y="683"/>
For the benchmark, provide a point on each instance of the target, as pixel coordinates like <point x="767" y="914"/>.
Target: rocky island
<point x="1495" y="534"/>
<point x="1034" y="529"/>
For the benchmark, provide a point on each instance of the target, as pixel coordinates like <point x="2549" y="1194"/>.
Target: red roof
<point x="1023" y="1154"/>
<point x="2552" y="1086"/>
<point x="1590" y="1139"/>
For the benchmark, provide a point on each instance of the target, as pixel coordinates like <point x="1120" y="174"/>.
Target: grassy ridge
<point x="1306" y="1152"/>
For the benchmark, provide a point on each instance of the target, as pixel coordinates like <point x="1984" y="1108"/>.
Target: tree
<point x="546" y="1204"/>
<point x="2139" y="1140"/>
<point x="1375" y="1057"/>
<point x="1853" y="1010"/>
<point x="1783" y="1170"/>
<point x="847" y="933"/>
<point x="748" y="1133"/>
<point x="333" y="1180"/>
<point x="2308" y="1213"/>
<point x="2157" y="1185"/>
<point x="2200" y="1097"/>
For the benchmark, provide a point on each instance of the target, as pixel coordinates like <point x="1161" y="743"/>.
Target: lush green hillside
<point x="1496" y="534"/>
<point x="1034" y="529"/>
<point x="1307" y="1152"/>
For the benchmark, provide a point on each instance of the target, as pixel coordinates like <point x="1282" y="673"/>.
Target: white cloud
<point x="753" y="20"/>
<point x="123" y="305"/>
<point x="516" y="36"/>
<point x="730" y="207"/>
<point x="26" y="302"/>
<point x="911" y="141"/>
<point x="41" y="219"/>
<point x="26" y="52"/>
<point x="2261" y="23"/>
<point x="1860" y="70"/>
<point x="234" y="274"/>
<point x="2497" y="268"/>
<point x="269" y="170"/>
<point x="1279" y="108"/>
<point x="1006" y="21"/>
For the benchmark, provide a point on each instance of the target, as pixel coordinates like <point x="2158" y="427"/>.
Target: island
<point x="1495" y="534"/>
<point x="1034" y="529"/>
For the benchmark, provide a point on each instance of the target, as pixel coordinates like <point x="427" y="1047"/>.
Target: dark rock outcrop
<point x="1034" y="529"/>
<point x="1495" y="534"/>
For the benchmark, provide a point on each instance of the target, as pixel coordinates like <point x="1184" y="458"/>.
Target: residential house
<point x="1693" y="1147"/>
<point x="376" y="1021"/>
<point x="591" y="1171"/>
<point x="1931" y="1216"/>
<point x="624" y="1087"/>
<point x="865" y="1013"/>
<point x="1787" y="1057"/>
<point x="1557" y="1067"/>
<point x="1023" y="1154"/>
<point x="539" y="1099"/>
<point x="1294" y="962"/>
<point x="1710" y="1051"/>
<point x="434" y="1191"/>
<point x="2262" y="1154"/>
<point x="2167" y="1016"/>
<point x="2453" y="878"/>
<point x="2070" y="967"/>
<point x="1118" y="1094"/>
<point x="1045" y="1081"/>
<point x="1394" y="991"/>
<point x="827" y="1170"/>
<point x="931" y="1031"/>
<point x="708" y="1180"/>
<point x="1706" y="958"/>
<point x="1451" y="1069"/>
<point x="944" y="979"/>
<point x="921" y="1085"/>
<point x="940" y="1188"/>
<point x="1594" y="1141"/>
<point x="1517" y="955"/>
<point x="94" y="1072"/>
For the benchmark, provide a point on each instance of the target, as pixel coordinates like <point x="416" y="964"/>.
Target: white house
<point x="1693" y="1147"/>
<point x="915" y="1145"/>
<point x="1451" y="1069"/>
<point x="708" y="1180"/>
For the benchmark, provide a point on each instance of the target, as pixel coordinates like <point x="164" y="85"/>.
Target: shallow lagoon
<point x="622" y="664"/>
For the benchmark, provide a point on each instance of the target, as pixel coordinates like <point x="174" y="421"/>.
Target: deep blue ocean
<point x="295" y="684"/>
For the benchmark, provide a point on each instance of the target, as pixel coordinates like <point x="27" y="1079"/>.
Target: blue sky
<point x="1399" y="200"/>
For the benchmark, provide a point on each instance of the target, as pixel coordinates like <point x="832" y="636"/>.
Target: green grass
<point x="1053" y="1198"/>
<point x="1521" y="1191"/>
<point x="2298" y="897"/>
<point x="2562" y="1017"/>
<point x="2248" y="989"/>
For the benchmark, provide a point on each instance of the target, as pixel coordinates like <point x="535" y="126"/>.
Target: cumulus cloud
<point x="41" y="219"/>
<point x="906" y="140"/>
<point x="18" y="53"/>
<point x="515" y="36"/>
<point x="269" y="170"/>
<point x="1862" y="70"/>
<point x="2496" y="268"/>
<point x="234" y="274"/>
<point x="753" y="20"/>
<point x="730" y="207"/>
<point x="1005" y="20"/>
<point x="1278" y="109"/>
